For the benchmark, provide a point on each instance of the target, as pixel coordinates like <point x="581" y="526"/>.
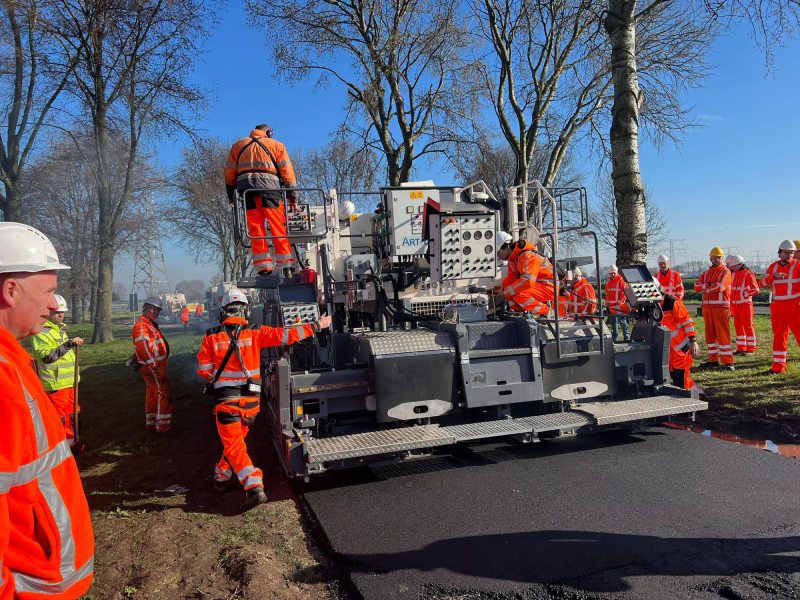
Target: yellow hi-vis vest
<point x="59" y="373"/>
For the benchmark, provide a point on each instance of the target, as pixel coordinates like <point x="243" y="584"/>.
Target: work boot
<point x="265" y="272"/>
<point x="709" y="365"/>
<point x="729" y="367"/>
<point x="288" y="272"/>
<point x="221" y="487"/>
<point x="255" y="496"/>
<point x="771" y="372"/>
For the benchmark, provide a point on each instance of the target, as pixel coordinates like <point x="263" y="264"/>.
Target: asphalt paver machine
<point x="421" y="355"/>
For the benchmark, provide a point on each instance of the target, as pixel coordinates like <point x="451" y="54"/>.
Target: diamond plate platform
<point x="606" y="413"/>
<point x="487" y="429"/>
<point x="557" y="421"/>
<point x="376" y="442"/>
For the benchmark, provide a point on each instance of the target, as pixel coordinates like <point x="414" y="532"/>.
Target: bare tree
<point x="194" y="290"/>
<point x="398" y="62"/>
<point x="34" y="70"/>
<point x="200" y="215"/>
<point x="341" y="164"/>
<point x="132" y="62"/>
<point x="606" y="220"/>
<point x="770" y="21"/>
<point x="546" y="75"/>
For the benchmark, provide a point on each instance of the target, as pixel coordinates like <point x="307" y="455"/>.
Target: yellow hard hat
<point x="797" y="243"/>
<point x="716" y="251"/>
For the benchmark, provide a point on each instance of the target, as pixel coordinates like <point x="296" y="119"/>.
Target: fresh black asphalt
<point x="661" y="514"/>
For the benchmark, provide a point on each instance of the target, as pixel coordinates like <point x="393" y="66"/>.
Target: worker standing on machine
<point x="617" y="304"/>
<point x="229" y="360"/>
<point x="582" y="297"/>
<point x="529" y="284"/>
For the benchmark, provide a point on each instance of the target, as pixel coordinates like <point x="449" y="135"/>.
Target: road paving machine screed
<point x="421" y="354"/>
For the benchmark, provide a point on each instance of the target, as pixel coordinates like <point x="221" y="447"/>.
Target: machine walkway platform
<point x="588" y="415"/>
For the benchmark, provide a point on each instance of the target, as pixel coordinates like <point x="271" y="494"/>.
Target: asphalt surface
<point x="665" y="514"/>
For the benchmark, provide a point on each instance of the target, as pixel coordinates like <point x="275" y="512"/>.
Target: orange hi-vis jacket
<point x="582" y="298"/>
<point x="261" y="163"/>
<point x="671" y="283"/>
<point x="615" y="295"/>
<point x="252" y="338"/>
<point x="184" y="315"/>
<point x="149" y="342"/>
<point x="715" y="285"/>
<point x="744" y="286"/>
<point x="787" y="287"/>
<point x="526" y="267"/>
<point x="680" y="323"/>
<point x="46" y="538"/>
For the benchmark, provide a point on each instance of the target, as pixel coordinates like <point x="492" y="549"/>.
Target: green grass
<point x="748" y="388"/>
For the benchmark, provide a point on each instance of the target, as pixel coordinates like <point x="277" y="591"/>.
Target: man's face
<point x="785" y="255"/>
<point x="504" y="251"/>
<point x="663" y="267"/>
<point x="612" y="274"/>
<point x="715" y="260"/>
<point x="151" y="312"/>
<point x="31" y="298"/>
<point x="57" y="317"/>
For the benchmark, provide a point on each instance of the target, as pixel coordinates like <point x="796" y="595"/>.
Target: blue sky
<point x="730" y="182"/>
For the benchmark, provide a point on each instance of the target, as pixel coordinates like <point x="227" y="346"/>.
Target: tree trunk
<point x="105" y="282"/>
<point x="628" y="188"/>
<point x="12" y="202"/>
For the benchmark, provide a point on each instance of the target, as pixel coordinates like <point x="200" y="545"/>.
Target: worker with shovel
<point x="56" y="362"/>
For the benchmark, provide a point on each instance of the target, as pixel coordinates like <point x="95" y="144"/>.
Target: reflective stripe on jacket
<point x="252" y="338"/>
<point x="615" y="295"/>
<point x="46" y="538"/>
<point x="743" y="286"/>
<point x="525" y="268"/>
<point x="787" y="288"/>
<point x="671" y="283"/>
<point x="582" y="298"/>
<point x="250" y="167"/>
<point x="54" y="361"/>
<point x="149" y="342"/>
<point x="715" y="285"/>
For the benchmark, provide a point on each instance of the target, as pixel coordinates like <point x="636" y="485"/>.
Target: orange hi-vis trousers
<point x="258" y="219"/>
<point x="234" y="417"/>
<point x="64" y="402"/>
<point x="745" y="326"/>
<point x="680" y="365"/>
<point x="158" y="398"/>
<point x="718" y="334"/>
<point x="534" y="300"/>
<point x="785" y="316"/>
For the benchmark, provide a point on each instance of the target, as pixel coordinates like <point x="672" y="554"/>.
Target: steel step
<point x="376" y="442"/>
<point x="487" y="429"/>
<point x="620" y="411"/>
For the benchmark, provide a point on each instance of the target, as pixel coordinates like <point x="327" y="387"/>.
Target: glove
<point x="230" y="190"/>
<point x="291" y="199"/>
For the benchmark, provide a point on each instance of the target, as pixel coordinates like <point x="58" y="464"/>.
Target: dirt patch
<point x="190" y="542"/>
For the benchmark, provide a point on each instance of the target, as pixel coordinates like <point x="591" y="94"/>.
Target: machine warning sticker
<point x="416" y="195"/>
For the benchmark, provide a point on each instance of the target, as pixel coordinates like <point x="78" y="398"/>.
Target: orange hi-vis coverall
<point x="258" y="162"/>
<point x="529" y="284"/>
<point x="785" y="308"/>
<point x="236" y="406"/>
<point x="55" y="363"/>
<point x="46" y="538"/>
<point x="715" y="285"/>
<point x="671" y="283"/>
<point x="582" y="298"/>
<point x="743" y="287"/>
<point x="152" y="352"/>
<point x="682" y="333"/>
<point x="185" y="316"/>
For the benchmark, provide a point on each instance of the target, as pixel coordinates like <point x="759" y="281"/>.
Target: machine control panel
<point x="299" y="313"/>
<point x="302" y="220"/>
<point x="463" y="246"/>
<point x="642" y="288"/>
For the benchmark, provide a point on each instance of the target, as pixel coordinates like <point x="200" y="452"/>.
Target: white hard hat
<point x="787" y="245"/>
<point x="577" y="272"/>
<point x="736" y="259"/>
<point x="154" y="301"/>
<point x="62" y="304"/>
<point x="662" y="258"/>
<point x="613" y="269"/>
<point x="24" y="249"/>
<point x="346" y="210"/>
<point x="234" y="295"/>
<point x="503" y="237"/>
